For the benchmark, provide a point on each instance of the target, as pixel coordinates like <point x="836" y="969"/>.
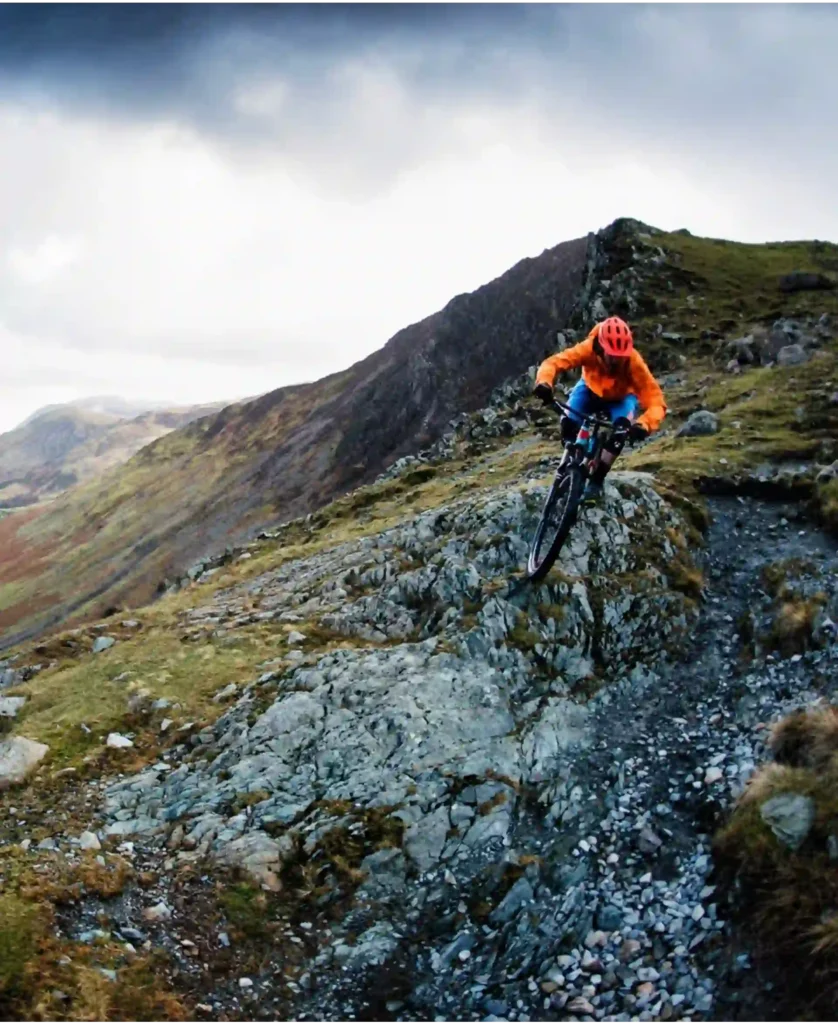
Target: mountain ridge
<point x="288" y="451"/>
<point x="108" y="405"/>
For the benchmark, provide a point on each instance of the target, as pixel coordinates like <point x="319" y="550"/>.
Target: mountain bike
<point x="559" y="514"/>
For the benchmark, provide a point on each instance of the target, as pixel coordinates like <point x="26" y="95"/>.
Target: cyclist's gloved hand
<point x="544" y="392"/>
<point x="638" y="433"/>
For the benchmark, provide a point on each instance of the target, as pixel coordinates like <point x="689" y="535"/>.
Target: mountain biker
<point x="615" y="382"/>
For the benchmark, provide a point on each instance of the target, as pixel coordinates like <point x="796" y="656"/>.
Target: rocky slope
<point x="281" y="455"/>
<point x="356" y="769"/>
<point x="63" y="445"/>
<point x="224" y="478"/>
<point x="434" y="791"/>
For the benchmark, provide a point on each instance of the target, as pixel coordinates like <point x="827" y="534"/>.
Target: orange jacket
<point x="638" y="379"/>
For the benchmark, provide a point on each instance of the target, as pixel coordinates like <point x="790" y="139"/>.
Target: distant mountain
<point x="63" y="445"/>
<point x="103" y="405"/>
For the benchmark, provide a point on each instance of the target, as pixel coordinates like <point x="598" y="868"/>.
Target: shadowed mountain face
<point x="282" y="455"/>
<point x="62" y="445"/>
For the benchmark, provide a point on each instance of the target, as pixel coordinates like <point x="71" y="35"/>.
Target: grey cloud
<point x="684" y="78"/>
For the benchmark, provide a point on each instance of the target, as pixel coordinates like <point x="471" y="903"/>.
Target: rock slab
<point x="18" y="757"/>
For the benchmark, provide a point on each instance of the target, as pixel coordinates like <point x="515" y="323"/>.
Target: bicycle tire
<point x="566" y="488"/>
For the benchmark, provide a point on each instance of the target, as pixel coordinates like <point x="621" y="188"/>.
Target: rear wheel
<point x="557" y="518"/>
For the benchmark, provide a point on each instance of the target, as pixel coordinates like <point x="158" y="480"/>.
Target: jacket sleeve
<point x="567" y="360"/>
<point x="650" y="395"/>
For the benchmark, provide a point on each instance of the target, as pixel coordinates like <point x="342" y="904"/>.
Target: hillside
<point x="60" y="446"/>
<point x="113" y="541"/>
<point x="354" y="769"/>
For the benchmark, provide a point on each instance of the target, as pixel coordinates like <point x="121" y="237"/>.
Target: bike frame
<point x="585" y="450"/>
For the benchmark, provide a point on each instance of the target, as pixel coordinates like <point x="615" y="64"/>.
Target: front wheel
<point x="557" y="518"/>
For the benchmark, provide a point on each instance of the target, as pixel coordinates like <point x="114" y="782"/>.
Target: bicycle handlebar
<point x="563" y="407"/>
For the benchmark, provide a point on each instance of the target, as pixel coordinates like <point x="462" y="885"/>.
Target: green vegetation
<point x="766" y="415"/>
<point x="709" y="291"/>
<point x="247" y="909"/>
<point x="18" y="935"/>
<point x="826" y="499"/>
<point x="711" y="288"/>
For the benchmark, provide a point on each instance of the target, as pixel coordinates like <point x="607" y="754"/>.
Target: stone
<point x="102" y="643"/>
<point x="296" y="637"/>
<point x="443" y="723"/>
<point x="609" y="918"/>
<point x="385" y="870"/>
<point x="712" y="775"/>
<point x="699" y="424"/>
<point x="580" y="1005"/>
<point x="228" y="691"/>
<point x="89" y="841"/>
<point x="790" y="817"/>
<point x="18" y="757"/>
<point x="9" y="706"/>
<point x="118" y="741"/>
<point x="827" y="473"/>
<point x="742" y="350"/>
<point x="648" y="841"/>
<point x="159" y="912"/>
<point x="520" y="894"/>
<point x="260" y="856"/>
<point x="792" y="355"/>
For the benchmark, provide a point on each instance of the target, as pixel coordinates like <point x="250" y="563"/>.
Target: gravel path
<point x="617" y="919"/>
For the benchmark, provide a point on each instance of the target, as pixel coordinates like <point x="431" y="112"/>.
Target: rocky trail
<point x="633" y="876"/>
<point x="663" y="771"/>
<point x="458" y="836"/>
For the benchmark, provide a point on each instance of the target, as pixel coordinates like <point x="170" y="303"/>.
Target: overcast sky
<point x="202" y="203"/>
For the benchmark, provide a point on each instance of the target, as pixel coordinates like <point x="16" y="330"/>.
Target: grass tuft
<point x="786" y="901"/>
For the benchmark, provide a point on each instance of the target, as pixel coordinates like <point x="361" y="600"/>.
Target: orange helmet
<point x="615" y="337"/>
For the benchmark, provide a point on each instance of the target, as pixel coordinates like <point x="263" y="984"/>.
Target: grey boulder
<point x="700" y="424"/>
<point x="790" y="817"/>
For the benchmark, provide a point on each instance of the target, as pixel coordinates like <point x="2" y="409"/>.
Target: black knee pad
<point x="619" y="436"/>
<point x="570" y="428"/>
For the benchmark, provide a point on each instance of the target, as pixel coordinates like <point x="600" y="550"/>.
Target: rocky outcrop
<point x="801" y="281"/>
<point x="700" y="424"/>
<point x="423" y="706"/>
<point x="786" y="342"/>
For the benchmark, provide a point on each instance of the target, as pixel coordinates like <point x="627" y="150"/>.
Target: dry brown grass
<point x="776" y="578"/>
<point x="786" y="901"/>
<point x="44" y="977"/>
<point x="686" y="578"/>
<point x="807" y="739"/>
<point x="793" y="627"/>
